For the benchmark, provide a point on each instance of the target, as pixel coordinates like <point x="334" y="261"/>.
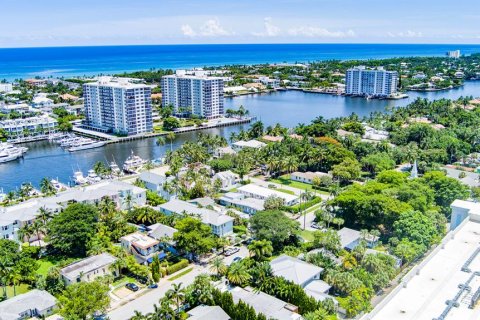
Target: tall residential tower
<point x="190" y="94"/>
<point x="361" y="81"/>
<point x="118" y="106"/>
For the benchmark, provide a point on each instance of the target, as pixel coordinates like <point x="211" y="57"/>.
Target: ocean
<point x="18" y="63"/>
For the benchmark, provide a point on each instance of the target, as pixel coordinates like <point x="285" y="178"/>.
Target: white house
<point x="252" y="144"/>
<point x="241" y="202"/>
<point x="35" y="303"/>
<point x="89" y="269"/>
<point x="307" y="177"/>
<point x="227" y="178"/>
<point x="6" y="87"/>
<point x="156" y="182"/>
<point x="41" y="100"/>
<point x="258" y="192"/>
<point x="221" y="151"/>
<point x="142" y="247"/>
<point x="295" y="270"/>
<point x="350" y="239"/>
<point x="207" y="313"/>
<point x="221" y="224"/>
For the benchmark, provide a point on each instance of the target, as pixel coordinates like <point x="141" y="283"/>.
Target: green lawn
<point x="44" y="266"/>
<point x="22" y="288"/>
<point x="123" y="281"/>
<point x="47" y="262"/>
<point x="285" y="191"/>
<point x="181" y="274"/>
<point x="307" y="235"/>
<point x="285" y="180"/>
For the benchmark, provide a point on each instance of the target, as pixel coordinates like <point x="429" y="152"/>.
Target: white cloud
<point x="316" y="32"/>
<point x="270" y="30"/>
<point x="211" y="28"/>
<point x="188" y="31"/>
<point x="407" y="34"/>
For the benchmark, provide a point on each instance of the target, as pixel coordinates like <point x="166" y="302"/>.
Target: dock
<point x="108" y="138"/>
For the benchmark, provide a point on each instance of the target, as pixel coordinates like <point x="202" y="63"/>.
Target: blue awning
<point x="161" y="256"/>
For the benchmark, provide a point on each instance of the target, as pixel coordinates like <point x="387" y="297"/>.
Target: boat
<point x="115" y="169"/>
<point x="92" y="177"/>
<point x="78" y="178"/>
<point x="87" y="145"/>
<point x="133" y="163"/>
<point x="58" y="185"/>
<point x="9" y="152"/>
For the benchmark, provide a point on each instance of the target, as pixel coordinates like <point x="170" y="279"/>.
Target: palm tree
<point x="25" y="232"/>
<point x="128" y="201"/>
<point x="160" y="141"/>
<point x="107" y="208"/>
<point x="260" y="249"/>
<point x="44" y="215"/>
<point x="14" y="278"/>
<point x="218" y="266"/>
<point x="177" y="294"/>
<point x="37" y="229"/>
<point x="238" y="274"/>
<point x="171" y="137"/>
<point x="46" y="187"/>
<point x="5" y="269"/>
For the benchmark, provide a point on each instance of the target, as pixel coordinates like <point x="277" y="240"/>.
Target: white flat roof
<point x="438" y="280"/>
<point x="266" y="192"/>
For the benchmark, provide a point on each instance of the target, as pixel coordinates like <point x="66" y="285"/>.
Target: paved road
<point x="145" y="303"/>
<point x="243" y="253"/>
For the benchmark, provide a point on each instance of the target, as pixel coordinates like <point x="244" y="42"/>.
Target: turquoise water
<point x="70" y="61"/>
<point x="287" y="108"/>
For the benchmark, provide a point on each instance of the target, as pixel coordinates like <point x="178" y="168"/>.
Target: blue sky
<point x="27" y="23"/>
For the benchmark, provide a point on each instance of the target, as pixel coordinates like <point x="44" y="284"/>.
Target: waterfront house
<point x="257" y="192"/>
<point x="241" y="202"/>
<point x="89" y="269"/>
<point x="270" y="306"/>
<point x="350" y="239"/>
<point x="207" y="313"/>
<point x="252" y="144"/>
<point x="35" y="303"/>
<point x="221" y="224"/>
<point x="307" y="177"/>
<point x="29" y="126"/>
<point x="227" y="178"/>
<point x="144" y="248"/>
<point x="220" y="152"/>
<point x="156" y="183"/>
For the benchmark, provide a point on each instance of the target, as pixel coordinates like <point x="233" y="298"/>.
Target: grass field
<point x="22" y="288"/>
<point x="181" y="274"/>
<point x="307" y="235"/>
<point x="285" y="180"/>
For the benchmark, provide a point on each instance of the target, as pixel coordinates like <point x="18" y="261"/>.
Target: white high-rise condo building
<point x="119" y="106"/>
<point x="361" y="81"/>
<point x="454" y="54"/>
<point x="198" y="95"/>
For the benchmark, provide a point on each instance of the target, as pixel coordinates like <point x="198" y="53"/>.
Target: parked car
<point x="142" y="280"/>
<point x="231" y="251"/>
<point x="237" y="259"/>
<point x="153" y="286"/>
<point x="132" y="286"/>
<point x="315" y="225"/>
<point x="272" y="186"/>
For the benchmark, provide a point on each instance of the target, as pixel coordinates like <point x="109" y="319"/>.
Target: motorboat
<point x="78" y="178"/>
<point x="85" y="145"/>
<point x="92" y="177"/>
<point x="115" y="169"/>
<point x="133" y="163"/>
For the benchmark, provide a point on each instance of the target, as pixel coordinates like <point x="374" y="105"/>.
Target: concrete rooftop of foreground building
<point x="426" y="290"/>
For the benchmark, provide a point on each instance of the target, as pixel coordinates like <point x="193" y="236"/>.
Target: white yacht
<point x="78" y="178"/>
<point x="9" y="152"/>
<point x="115" y="169"/>
<point x="92" y="177"/>
<point x="133" y="163"/>
<point x="85" y="144"/>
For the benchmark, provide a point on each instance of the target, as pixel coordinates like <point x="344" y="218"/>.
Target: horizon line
<point x="241" y="44"/>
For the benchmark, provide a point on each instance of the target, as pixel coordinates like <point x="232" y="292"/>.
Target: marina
<point x="289" y="108"/>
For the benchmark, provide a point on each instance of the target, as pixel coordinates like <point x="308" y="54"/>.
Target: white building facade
<point x="361" y="81"/>
<point x="118" y="106"/>
<point x="28" y="126"/>
<point x="198" y="95"/>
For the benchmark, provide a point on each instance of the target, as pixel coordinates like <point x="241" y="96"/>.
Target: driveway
<point x="145" y="302"/>
<point x="243" y="253"/>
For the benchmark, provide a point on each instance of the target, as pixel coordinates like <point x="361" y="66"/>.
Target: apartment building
<point x="201" y="96"/>
<point x="118" y="106"/>
<point x="378" y="82"/>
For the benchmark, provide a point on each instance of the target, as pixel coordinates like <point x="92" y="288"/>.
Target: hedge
<point x="177" y="266"/>
<point x="304" y="205"/>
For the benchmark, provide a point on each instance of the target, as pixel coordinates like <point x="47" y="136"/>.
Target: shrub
<point x="177" y="266"/>
<point x="304" y="205"/>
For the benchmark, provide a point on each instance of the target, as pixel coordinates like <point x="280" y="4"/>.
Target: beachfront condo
<point x="116" y="105"/>
<point x="194" y="95"/>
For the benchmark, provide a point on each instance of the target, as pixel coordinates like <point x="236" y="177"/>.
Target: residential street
<point x="145" y="302"/>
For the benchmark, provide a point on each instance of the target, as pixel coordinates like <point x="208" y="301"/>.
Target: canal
<point x="288" y="108"/>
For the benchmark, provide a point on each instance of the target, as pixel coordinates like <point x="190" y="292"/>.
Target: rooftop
<point x="140" y="240"/>
<point x="159" y="231"/>
<point x="208" y="313"/>
<point x="249" y="144"/>
<point x="73" y="271"/>
<point x="318" y="289"/>
<point x="266" y="192"/>
<point x="426" y="289"/>
<point x="207" y="216"/>
<point x="293" y="269"/>
<point x="270" y="306"/>
<point x="35" y="299"/>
